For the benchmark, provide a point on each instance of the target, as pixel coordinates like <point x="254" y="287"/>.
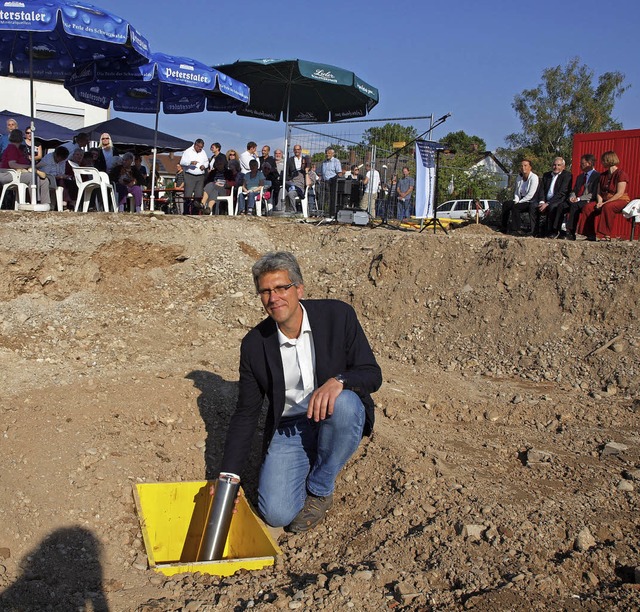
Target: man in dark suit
<point x="554" y="199"/>
<point x="584" y="191"/>
<point x="313" y="363"/>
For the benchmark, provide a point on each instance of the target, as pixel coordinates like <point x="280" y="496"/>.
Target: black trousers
<point x="511" y="212"/>
<point x="574" y="212"/>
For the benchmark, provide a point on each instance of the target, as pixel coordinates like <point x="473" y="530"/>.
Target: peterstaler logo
<point x="20" y="16"/>
<point x="186" y="76"/>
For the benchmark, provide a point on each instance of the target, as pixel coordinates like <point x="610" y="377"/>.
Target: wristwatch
<point x="341" y="379"/>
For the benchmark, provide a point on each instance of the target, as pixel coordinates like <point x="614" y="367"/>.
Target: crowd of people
<point x="124" y="170"/>
<point x="208" y="183"/>
<point x="558" y="209"/>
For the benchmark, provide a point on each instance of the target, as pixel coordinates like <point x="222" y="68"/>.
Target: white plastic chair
<point x="86" y="186"/>
<point x="20" y="188"/>
<point x="58" y="194"/>
<point x="231" y="200"/>
<point x="259" y="202"/>
<point x="304" y="202"/>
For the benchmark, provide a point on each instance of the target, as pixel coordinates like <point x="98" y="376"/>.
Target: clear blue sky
<point x="465" y="57"/>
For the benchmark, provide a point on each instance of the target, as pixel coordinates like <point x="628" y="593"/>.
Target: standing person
<point x="278" y="170"/>
<point x="266" y="158"/>
<point x="553" y="199"/>
<point x="524" y="199"/>
<point x="14" y="158"/>
<point x="356" y="187"/>
<point x="584" y="191"/>
<point x="330" y="170"/>
<point x="404" y="189"/>
<point x="195" y="163"/>
<point x="611" y="199"/>
<point x="311" y="360"/>
<point x="106" y="157"/>
<point x="33" y="149"/>
<point x="294" y="163"/>
<point x="247" y="156"/>
<point x="216" y="156"/>
<point x="371" y="186"/>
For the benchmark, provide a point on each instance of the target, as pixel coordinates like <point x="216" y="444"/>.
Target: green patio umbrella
<point x="301" y="91"/>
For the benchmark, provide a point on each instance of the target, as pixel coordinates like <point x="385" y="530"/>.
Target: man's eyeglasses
<point x="279" y="290"/>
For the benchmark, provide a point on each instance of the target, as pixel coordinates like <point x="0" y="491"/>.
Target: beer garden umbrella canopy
<point x="175" y="84"/>
<point x="49" y="134"/>
<point x="46" y="39"/>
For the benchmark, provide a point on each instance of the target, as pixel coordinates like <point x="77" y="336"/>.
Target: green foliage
<point x="468" y="181"/>
<point x="566" y="102"/>
<point x="461" y="142"/>
<point x="384" y="137"/>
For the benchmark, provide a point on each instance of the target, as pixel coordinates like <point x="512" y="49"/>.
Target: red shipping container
<point x="626" y="143"/>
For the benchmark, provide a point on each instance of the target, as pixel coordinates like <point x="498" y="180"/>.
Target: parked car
<point x="465" y="209"/>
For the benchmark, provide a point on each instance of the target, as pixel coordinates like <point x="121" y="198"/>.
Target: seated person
<point x="612" y="197"/>
<point x="54" y="166"/>
<point x="250" y="187"/>
<point x="128" y="180"/>
<point x="524" y="200"/>
<point x="216" y="187"/>
<point x="584" y="191"/>
<point x="14" y="157"/>
<point x="552" y="200"/>
<point x="297" y="185"/>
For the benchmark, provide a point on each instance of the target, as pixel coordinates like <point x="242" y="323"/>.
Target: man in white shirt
<point x="371" y="185"/>
<point x="195" y="163"/>
<point x="247" y="156"/>
<point x="524" y="199"/>
<point x="311" y="360"/>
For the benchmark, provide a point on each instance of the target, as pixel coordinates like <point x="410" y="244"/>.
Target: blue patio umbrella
<point x="46" y="39"/>
<point x="176" y="84"/>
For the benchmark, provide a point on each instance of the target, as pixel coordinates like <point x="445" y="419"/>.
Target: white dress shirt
<point x="298" y="362"/>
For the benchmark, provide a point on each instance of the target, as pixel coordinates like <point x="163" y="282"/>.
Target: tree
<point x="458" y="177"/>
<point x="566" y="102"/>
<point x="461" y="142"/>
<point x="383" y="137"/>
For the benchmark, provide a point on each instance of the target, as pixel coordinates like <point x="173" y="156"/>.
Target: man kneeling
<point x="313" y="363"/>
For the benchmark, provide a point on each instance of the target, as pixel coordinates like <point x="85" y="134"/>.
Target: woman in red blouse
<point x="612" y="194"/>
<point x="597" y="218"/>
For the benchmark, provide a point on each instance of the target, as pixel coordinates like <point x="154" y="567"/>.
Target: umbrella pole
<point x="283" y="190"/>
<point x="152" y="198"/>
<point x="34" y="178"/>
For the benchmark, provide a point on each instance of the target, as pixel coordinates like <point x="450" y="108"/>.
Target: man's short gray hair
<point x="275" y="261"/>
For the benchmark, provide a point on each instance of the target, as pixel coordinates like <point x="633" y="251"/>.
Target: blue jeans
<point x="243" y="197"/>
<point x="404" y="209"/>
<point x="307" y="456"/>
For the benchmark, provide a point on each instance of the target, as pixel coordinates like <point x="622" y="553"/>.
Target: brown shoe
<point x="312" y="513"/>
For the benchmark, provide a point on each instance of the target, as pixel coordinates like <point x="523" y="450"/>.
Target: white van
<point x="465" y="209"/>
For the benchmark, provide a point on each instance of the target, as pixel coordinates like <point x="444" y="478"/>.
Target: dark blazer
<point x="291" y="168"/>
<point x="591" y="187"/>
<point x="560" y="191"/>
<point x="340" y="348"/>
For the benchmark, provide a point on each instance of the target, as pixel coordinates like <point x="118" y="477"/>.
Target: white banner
<point x="426" y="177"/>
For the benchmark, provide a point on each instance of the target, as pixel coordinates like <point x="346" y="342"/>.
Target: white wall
<point x="52" y="102"/>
